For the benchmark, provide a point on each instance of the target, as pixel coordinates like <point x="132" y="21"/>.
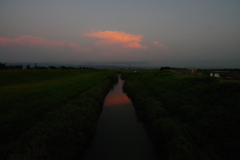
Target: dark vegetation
<point x="234" y="73"/>
<point x="50" y="114"/>
<point x="4" y="66"/>
<point x="164" y="68"/>
<point x="189" y="118"/>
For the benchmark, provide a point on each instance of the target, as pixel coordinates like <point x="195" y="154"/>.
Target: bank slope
<point x="189" y="118"/>
<point x="53" y="118"/>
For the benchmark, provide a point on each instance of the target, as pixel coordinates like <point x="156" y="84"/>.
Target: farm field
<point x="43" y="109"/>
<point x="187" y="117"/>
<point x="234" y="73"/>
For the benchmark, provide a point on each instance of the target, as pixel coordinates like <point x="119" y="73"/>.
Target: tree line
<point x="5" y="66"/>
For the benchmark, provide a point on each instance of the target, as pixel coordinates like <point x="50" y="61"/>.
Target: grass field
<point x="235" y="74"/>
<point x="188" y="117"/>
<point x="49" y="114"/>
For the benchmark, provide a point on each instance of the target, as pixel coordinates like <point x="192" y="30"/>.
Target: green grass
<point x="190" y="118"/>
<point x="234" y="74"/>
<point x="29" y="98"/>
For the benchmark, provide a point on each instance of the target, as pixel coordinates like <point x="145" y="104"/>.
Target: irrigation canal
<point x="119" y="133"/>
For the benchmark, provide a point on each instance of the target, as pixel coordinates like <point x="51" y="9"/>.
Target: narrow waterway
<point x="120" y="136"/>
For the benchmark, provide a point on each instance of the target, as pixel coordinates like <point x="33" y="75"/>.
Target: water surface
<point x="119" y="134"/>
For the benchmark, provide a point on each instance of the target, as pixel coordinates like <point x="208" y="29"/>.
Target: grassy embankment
<point x="189" y="117"/>
<point x="235" y="74"/>
<point x="49" y="114"/>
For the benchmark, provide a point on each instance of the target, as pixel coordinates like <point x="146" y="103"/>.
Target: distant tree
<point x="15" y="67"/>
<point x="41" y="67"/>
<point x="2" y="65"/>
<point x="52" y="67"/>
<point x="35" y="65"/>
<point x="63" y="67"/>
<point x="71" y="68"/>
<point x="28" y="67"/>
<point x="164" y="68"/>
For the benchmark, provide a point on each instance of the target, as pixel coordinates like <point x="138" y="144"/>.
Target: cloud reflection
<point x="116" y="99"/>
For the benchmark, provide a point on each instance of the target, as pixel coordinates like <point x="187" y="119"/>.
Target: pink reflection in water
<point x="116" y="97"/>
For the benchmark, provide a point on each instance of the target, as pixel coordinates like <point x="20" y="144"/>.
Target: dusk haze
<point x="153" y="33"/>
<point x="119" y="79"/>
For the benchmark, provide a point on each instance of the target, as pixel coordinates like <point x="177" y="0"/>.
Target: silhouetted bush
<point x="52" y="67"/>
<point x="2" y="65"/>
<point x="164" y="68"/>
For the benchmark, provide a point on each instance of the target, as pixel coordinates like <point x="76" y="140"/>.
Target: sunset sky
<point x="175" y="33"/>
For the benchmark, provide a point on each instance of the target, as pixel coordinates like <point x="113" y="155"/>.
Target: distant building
<point x="215" y="75"/>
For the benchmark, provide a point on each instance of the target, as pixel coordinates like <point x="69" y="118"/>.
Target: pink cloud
<point x="135" y="45"/>
<point x="159" y="46"/>
<point x="123" y="39"/>
<point x="30" y="41"/>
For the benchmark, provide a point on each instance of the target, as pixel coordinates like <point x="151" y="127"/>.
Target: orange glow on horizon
<point x="116" y="37"/>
